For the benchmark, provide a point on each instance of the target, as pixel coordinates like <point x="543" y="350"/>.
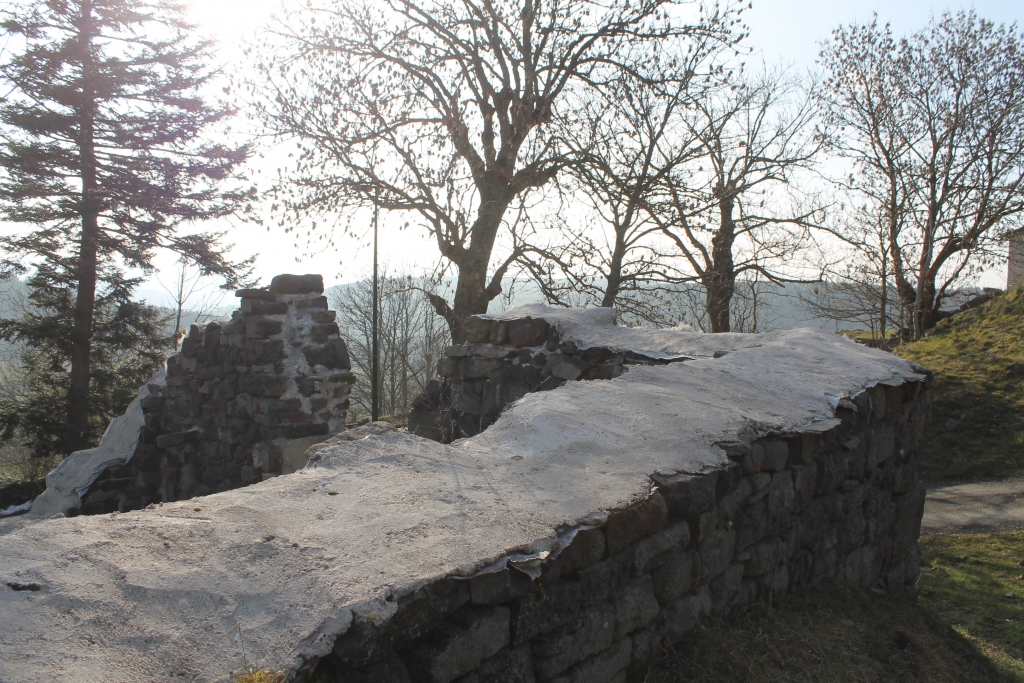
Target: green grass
<point x="966" y="582"/>
<point x="978" y="397"/>
<point x="962" y="629"/>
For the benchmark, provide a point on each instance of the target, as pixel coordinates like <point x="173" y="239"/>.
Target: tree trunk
<point x="472" y="294"/>
<point x="720" y="278"/>
<point x="611" y="292"/>
<point x="85" y="301"/>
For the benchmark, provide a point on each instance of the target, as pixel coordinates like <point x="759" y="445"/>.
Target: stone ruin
<point x="589" y="524"/>
<point x="241" y="401"/>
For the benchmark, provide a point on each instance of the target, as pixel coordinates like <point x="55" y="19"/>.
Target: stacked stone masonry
<point x="836" y="501"/>
<point x="502" y="361"/>
<point x="241" y="401"/>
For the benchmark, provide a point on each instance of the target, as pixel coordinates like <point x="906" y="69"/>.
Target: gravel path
<point x="978" y="507"/>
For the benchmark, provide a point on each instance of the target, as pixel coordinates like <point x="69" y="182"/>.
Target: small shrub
<point x="250" y="675"/>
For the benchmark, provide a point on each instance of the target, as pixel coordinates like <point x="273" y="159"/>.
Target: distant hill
<point x="978" y="397"/>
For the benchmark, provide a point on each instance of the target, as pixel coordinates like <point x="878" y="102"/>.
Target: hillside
<point x="978" y="398"/>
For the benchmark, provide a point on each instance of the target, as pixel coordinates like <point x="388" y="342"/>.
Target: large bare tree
<point x="444" y="109"/>
<point x="934" y="128"/>
<point x="732" y="210"/>
<point x="605" y="250"/>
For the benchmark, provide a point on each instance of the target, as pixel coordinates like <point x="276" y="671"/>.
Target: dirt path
<point x="978" y="507"/>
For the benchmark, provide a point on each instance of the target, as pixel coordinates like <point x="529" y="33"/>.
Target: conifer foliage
<point x="106" y="155"/>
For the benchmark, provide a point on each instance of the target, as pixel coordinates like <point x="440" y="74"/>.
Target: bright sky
<point x="784" y="30"/>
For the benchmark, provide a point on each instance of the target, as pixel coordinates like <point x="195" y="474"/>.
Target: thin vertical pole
<point x="375" y="364"/>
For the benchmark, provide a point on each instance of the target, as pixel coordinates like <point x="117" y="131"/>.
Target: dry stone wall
<point x="837" y="500"/>
<point x="241" y="401"/>
<point x="502" y="361"/>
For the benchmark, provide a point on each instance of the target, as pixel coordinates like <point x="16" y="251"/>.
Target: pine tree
<point x="104" y="151"/>
<point x="130" y="340"/>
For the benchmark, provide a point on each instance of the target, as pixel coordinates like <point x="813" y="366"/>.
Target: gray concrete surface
<point x="977" y="507"/>
<point x="280" y="567"/>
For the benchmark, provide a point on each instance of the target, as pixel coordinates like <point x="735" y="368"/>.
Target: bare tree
<point x="195" y="296"/>
<point x="444" y="110"/>
<point x="412" y="339"/>
<point x="607" y="250"/>
<point x="858" y="290"/>
<point x="733" y="210"/>
<point x="934" y="129"/>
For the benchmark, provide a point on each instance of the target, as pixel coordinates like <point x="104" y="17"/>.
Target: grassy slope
<point x="978" y="397"/>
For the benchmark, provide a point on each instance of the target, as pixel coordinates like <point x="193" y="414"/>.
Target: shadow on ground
<point x="962" y="629"/>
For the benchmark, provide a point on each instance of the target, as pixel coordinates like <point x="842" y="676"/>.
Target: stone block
<point x="725" y="587"/>
<point x="688" y="494"/>
<point x="863" y="567"/>
<point x="510" y="665"/>
<point x="625" y="527"/>
<point x="320" y="333"/>
<point x="703" y="524"/>
<point x="263" y="307"/>
<point x="565" y="367"/>
<point x="391" y="670"/>
<point x="751" y="523"/>
<point x="776" y="453"/>
<point x="527" y="332"/>
<point x="179" y="438"/>
<point x="256" y="294"/>
<point x="674" y="577"/>
<point x="261" y="328"/>
<point x="262" y="384"/>
<point x="333" y="355"/>
<point x="680" y="616"/>
<point x="482" y="368"/>
<point x="297" y="284"/>
<point x="716" y="552"/>
<point x="477" y="329"/>
<point x="323" y="317"/>
<point x="635" y="607"/>
<point x="804" y="477"/>
<point x="763" y="557"/>
<point x="880" y="445"/>
<point x="499" y="333"/>
<point x="733" y="501"/>
<point x="585" y="550"/>
<point x="909" y="510"/>
<point x="317" y="302"/>
<point x="600" y="581"/>
<point x="497" y="587"/>
<point x="780" y="500"/>
<point x="647" y="644"/>
<point x="555" y="653"/>
<point x="471" y="635"/>
<point x="606" y="667"/>
<point x="647" y="550"/>
<point x="545" y="609"/>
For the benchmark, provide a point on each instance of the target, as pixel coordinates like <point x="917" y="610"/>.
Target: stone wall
<point x="837" y="500"/>
<point x="240" y="402"/>
<point x="502" y="361"/>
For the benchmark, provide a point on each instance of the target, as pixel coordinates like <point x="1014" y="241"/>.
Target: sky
<point x="786" y="31"/>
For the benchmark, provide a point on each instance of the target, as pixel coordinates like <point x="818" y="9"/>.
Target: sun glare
<point x="231" y="21"/>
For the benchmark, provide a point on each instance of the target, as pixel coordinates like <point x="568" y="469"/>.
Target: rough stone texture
<point x="378" y="555"/>
<point x="241" y="401"/>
